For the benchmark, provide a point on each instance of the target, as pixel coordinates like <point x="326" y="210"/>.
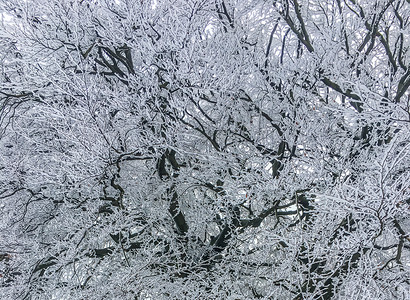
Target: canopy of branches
<point x="204" y="149"/>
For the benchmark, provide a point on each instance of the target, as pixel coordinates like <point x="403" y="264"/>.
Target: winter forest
<point x="204" y="149"/>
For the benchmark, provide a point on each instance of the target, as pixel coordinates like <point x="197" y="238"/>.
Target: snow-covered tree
<point x="204" y="149"/>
